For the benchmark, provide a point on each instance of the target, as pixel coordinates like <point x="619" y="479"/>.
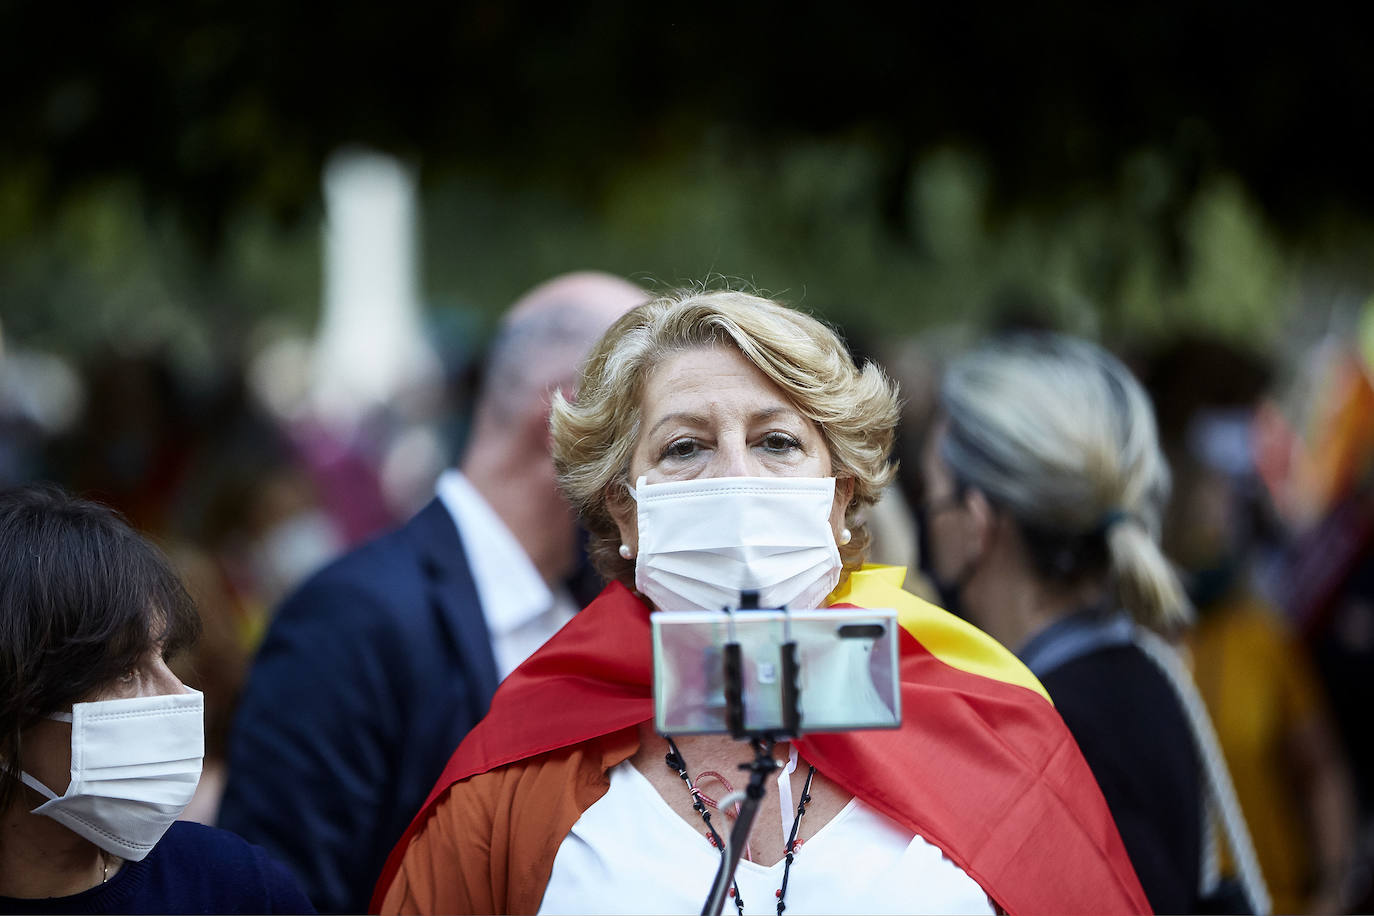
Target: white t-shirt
<point x="631" y="853"/>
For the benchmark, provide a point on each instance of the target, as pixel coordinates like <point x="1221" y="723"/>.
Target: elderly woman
<point x="100" y="744"/>
<point x="1045" y="484"/>
<point x="705" y="422"/>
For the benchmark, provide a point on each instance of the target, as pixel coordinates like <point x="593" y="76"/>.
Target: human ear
<point x="624" y="512"/>
<point x="844" y="495"/>
<point x="982" y="518"/>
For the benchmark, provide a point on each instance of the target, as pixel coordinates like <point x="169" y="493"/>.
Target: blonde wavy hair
<point x="1057" y="431"/>
<point x="594" y="437"/>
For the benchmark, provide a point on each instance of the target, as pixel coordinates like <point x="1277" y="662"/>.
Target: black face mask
<point x="1207" y="587"/>
<point x="948" y="591"/>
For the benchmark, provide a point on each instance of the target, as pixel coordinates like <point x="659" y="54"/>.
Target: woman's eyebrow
<point x="773" y="413"/>
<point x="688" y="419"/>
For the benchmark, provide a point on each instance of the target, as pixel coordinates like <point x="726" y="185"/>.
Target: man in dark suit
<point x="375" y="669"/>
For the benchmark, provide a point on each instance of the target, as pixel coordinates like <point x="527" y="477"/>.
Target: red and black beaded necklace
<point x="676" y="763"/>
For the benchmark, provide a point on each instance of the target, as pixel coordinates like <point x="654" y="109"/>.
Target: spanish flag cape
<point x="983" y="766"/>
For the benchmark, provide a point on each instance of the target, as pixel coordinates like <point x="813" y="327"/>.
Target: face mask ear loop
<point x="785" y="791"/>
<point x="37" y="786"/>
<point x="31" y="781"/>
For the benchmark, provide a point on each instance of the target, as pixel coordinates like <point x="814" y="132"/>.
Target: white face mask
<point x="135" y="766"/>
<point x="702" y="542"/>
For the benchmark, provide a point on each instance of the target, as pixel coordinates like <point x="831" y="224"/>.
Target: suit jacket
<point x="370" y="675"/>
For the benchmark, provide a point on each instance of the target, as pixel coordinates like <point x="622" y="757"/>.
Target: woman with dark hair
<point x="100" y="744"/>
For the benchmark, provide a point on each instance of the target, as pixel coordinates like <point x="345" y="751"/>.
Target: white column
<point x="370" y="344"/>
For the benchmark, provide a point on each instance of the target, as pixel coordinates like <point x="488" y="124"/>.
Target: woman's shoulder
<point x="1112" y="676"/>
<point x="1118" y="698"/>
<point x="186" y="840"/>
<point x="452" y="859"/>
<point x="213" y="870"/>
<point x="192" y="869"/>
<point x="559" y="772"/>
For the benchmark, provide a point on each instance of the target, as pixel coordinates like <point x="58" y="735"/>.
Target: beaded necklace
<point x="676" y="763"/>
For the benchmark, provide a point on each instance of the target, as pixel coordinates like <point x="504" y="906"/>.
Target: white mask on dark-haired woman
<point x="703" y="541"/>
<point x="135" y="766"/>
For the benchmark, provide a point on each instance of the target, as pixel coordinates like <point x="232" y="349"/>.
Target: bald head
<point x="540" y="345"/>
<point x="601" y="297"/>
<point x="543" y="339"/>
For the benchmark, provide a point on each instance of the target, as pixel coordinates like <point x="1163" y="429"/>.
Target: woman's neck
<point x="41" y="858"/>
<point x="711" y="754"/>
<point x="1021" y="605"/>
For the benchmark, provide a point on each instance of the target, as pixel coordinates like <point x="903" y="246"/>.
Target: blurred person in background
<point x="375" y="669"/>
<point x="894" y="538"/>
<point x="100" y="743"/>
<point x="707" y="420"/>
<point x="918" y="362"/>
<point x="193" y="461"/>
<point x="248" y="527"/>
<point x="1043" y="490"/>
<point x="134" y="447"/>
<point x="1344" y="650"/>
<point x="1326" y="482"/>
<point x="916" y="365"/>
<point x="1255" y="675"/>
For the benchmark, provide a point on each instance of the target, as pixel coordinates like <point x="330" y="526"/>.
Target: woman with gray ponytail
<point x="1045" y="485"/>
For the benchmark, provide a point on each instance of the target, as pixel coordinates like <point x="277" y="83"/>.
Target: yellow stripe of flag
<point x="953" y="641"/>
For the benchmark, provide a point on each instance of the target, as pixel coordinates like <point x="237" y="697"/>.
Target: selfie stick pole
<point x="739" y="835"/>
<point x="763" y="764"/>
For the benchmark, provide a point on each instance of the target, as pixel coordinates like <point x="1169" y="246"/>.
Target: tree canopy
<point x="1153" y="142"/>
<point x="210" y="103"/>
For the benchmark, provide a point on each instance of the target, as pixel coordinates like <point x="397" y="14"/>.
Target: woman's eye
<point x="780" y="442"/>
<point x="680" y="448"/>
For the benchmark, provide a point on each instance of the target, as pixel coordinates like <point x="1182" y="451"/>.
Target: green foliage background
<point x="1127" y="172"/>
<point x="805" y="221"/>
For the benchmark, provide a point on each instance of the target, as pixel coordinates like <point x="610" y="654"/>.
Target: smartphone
<point x="846" y="661"/>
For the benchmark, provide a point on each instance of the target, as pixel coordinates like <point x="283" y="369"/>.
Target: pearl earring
<point x="625" y="551"/>
<point x="845" y="536"/>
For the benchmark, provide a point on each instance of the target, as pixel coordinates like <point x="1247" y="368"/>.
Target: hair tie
<point x="1111" y="518"/>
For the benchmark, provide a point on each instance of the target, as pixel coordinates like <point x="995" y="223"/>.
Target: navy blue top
<point x="1132" y="730"/>
<point x="193" y="869"/>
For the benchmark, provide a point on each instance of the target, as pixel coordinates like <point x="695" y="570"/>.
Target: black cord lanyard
<point x="676" y="763"/>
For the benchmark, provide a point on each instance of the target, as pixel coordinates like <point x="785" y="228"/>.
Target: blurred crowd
<point x="1271" y="522"/>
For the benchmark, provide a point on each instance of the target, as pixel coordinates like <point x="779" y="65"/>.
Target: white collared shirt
<point x="520" y="610"/>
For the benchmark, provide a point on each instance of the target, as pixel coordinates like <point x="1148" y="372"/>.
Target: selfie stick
<point x="763" y="764"/>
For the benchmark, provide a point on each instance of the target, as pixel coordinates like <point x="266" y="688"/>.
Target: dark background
<point x="209" y="116"/>
<point x="211" y="105"/>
